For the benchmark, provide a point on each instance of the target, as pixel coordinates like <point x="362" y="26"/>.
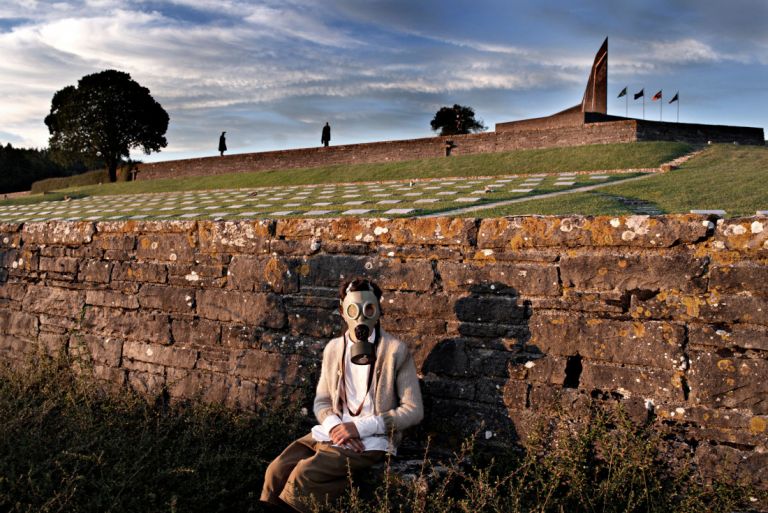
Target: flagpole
<point x="661" y="104"/>
<point x="678" y="107"/>
<point x="626" y="105"/>
<point x="643" y="89"/>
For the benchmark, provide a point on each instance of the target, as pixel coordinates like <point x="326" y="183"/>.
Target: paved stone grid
<point x="667" y="315"/>
<point x="391" y="199"/>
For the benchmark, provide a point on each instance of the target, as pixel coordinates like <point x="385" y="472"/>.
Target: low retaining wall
<point x="666" y="315"/>
<point x="390" y="151"/>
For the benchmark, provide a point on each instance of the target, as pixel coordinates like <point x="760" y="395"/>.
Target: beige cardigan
<point x="397" y="396"/>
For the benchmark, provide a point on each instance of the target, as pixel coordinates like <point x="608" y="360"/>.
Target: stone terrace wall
<point x="391" y="151"/>
<point x="665" y="315"/>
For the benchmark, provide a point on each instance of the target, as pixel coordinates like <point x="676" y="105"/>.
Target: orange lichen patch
<point x="677" y="379"/>
<point x="304" y="270"/>
<point x="623" y="264"/>
<point x="692" y="305"/>
<point x="145" y="242"/>
<point x="557" y="321"/>
<point x="594" y="322"/>
<point x="638" y="329"/>
<point x="602" y="271"/>
<point x="757" y="425"/>
<point x="273" y="270"/>
<point x="726" y="365"/>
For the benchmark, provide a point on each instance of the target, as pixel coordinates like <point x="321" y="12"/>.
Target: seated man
<point x="367" y="395"/>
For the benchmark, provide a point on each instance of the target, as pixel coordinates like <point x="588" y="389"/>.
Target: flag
<point x="622" y="93"/>
<point x="656" y="96"/>
<point x="640" y="94"/>
<point x="675" y="97"/>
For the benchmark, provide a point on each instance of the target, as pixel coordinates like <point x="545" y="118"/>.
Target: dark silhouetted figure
<point x="222" y="144"/>
<point x="326" y="137"/>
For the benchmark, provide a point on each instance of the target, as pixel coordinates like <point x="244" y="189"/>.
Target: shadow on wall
<point x="469" y="380"/>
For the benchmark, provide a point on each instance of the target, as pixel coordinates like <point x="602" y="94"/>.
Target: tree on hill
<point x="456" y="120"/>
<point x="103" y="118"/>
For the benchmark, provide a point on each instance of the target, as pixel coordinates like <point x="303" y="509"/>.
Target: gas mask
<point x="361" y="312"/>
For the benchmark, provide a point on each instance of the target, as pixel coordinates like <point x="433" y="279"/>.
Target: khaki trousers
<point x="308" y="471"/>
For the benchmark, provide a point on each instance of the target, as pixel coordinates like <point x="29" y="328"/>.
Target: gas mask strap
<point x="343" y="387"/>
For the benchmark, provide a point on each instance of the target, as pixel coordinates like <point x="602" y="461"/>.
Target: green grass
<point x="550" y="160"/>
<point x="66" y="445"/>
<point x="724" y="177"/>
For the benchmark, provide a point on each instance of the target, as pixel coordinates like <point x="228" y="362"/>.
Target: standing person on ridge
<point x="367" y="395"/>
<point x="326" y="137"/>
<point x="222" y="143"/>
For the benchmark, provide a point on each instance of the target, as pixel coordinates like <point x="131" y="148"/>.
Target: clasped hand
<point x="346" y="435"/>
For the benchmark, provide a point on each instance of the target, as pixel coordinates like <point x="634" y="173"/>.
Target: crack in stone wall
<point x="667" y="316"/>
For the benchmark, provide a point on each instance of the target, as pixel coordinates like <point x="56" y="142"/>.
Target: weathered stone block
<point x="412" y="304"/>
<point x="130" y="227"/>
<point x="20" y="324"/>
<point x="263" y="274"/>
<point x="250" y="237"/>
<point x="12" y="291"/>
<point x="735" y="336"/>
<point x="53" y="344"/>
<point x="438" y="231"/>
<point x="58" y="232"/>
<point x="447" y="388"/>
<point x="637" y="231"/>
<point x="732" y="308"/>
<point x="658" y="384"/>
<point x="99" y="350"/>
<point x="130" y="325"/>
<point x="747" y="235"/>
<point x="729" y="381"/>
<point x="143" y="272"/>
<point x="196" y="332"/>
<point x="262" y="366"/>
<point x="166" y="299"/>
<point x="314" y="322"/>
<point x="331" y="270"/>
<point x="114" y="242"/>
<point x="58" y="265"/>
<point x="96" y="271"/>
<point x="111" y="299"/>
<point x="733" y="464"/>
<point x="54" y="301"/>
<point x="517" y="279"/>
<point x="548" y="370"/>
<point x="169" y="356"/>
<point x="166" y="247"/>
<point x="650" y="343"/>
<point x="491" y="309"/>
<point x="197" y="275"/>
<point x="590" y="272"/>
<point x="738" y="279"/>
<point x="146" y="383"/>
<point x="243" y="307"/>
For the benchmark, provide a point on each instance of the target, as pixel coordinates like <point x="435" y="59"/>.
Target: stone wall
<point x="390" y="151"/>
<point x="554" y="131"/>
<point x="666" y="315"/>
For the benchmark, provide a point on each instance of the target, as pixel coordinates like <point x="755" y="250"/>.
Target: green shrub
<point x="65" y="445"/>
<point x="68" y="445"/>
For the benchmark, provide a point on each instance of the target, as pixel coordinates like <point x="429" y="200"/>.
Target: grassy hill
<point x="549" y="160"/>
<point x="723" y="177"/>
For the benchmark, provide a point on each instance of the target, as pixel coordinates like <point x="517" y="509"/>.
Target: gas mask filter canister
<point x="361" y="312"/>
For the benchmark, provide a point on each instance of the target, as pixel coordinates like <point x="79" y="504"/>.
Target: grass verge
<point x="723" y="177"/>
<point x="65" y="445"/>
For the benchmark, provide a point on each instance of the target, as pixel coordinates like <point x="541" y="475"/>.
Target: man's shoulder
<point x="392" y="343"/>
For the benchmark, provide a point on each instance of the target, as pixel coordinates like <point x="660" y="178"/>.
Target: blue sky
<point x="271" y="73"/>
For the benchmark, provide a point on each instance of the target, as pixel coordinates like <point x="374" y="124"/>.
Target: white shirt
<point x="371" y="427"/>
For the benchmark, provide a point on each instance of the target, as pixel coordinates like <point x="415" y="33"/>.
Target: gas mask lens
<point x="369" y="310"/>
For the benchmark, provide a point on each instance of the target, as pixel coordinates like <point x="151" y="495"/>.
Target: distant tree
<point x="103" y="118"/>
<point x="456" y="120"/>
